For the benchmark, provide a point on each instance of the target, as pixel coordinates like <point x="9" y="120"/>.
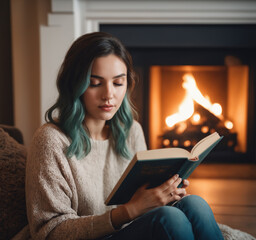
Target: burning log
<point x="197" y="118"/>
<point x="208" y="117"/>
<point x="194" y="133"/>
<point x="186" y="134"/>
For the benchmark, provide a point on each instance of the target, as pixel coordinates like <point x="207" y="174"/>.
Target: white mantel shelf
<point x="71" y="18"/>
<point x="89" y="14"/>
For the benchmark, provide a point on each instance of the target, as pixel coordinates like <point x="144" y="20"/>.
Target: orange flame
<point x="186" y="108"/>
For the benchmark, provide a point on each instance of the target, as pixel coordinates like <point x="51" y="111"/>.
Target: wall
<point x="26" y="17"/>
<point x="6" y="95"/>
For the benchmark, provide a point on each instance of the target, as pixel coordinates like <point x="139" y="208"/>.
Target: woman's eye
<point x="94" y="84"/>
<point x="118" y="84"/>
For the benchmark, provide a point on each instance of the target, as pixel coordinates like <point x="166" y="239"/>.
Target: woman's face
<point x="107" y="88"/>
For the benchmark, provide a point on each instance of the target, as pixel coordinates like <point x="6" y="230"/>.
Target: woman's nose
<point x="108" y="92"/>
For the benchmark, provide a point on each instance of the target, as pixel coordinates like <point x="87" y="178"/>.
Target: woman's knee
<point x="172" y="221"/>
<point x="201" y="217"/>
<point x="170" y="217"/>
<point x="193" y="201"/>
<point x="195" y="208"/>
<point x="167" y="213"/>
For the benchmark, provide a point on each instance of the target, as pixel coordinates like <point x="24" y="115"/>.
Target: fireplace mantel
<point x="70" y="19"/>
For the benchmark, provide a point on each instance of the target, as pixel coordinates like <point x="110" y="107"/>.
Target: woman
<point x="77" y="157"/>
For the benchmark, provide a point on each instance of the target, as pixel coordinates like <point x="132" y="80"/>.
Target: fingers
<point x="173" y="182"/>
<point x="180" y="192"/>
<point x="170" y="187"/>
<point x="146" y="198"/>
<point x="185" y="183"/>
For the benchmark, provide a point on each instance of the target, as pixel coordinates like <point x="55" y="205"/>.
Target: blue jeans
<point x="190" y="218"/>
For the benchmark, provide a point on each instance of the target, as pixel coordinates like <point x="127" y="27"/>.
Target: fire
<point x="186" y="109"/>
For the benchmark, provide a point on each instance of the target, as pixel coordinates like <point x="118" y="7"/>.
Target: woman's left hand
<point x="185" y="183"/>
<point x="179" y="191"/>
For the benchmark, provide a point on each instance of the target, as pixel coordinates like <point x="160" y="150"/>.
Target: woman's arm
<point x="52" y="194"/>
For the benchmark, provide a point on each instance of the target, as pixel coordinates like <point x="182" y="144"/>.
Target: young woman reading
<point x="76" y="158"/>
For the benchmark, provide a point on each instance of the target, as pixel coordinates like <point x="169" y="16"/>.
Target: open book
<point x="156" y="166"/>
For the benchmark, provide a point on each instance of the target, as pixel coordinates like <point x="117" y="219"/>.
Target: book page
<point x="163" y="153"/>
<point x="204" y="144"/>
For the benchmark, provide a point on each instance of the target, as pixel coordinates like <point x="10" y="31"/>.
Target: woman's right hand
<point x="146" y="199"/>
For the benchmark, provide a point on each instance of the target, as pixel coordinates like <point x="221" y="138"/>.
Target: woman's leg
<point x="201" y="217"/>
<point x="165" y="223"/>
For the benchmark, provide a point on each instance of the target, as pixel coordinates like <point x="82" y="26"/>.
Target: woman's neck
<point x="97" y="130"/>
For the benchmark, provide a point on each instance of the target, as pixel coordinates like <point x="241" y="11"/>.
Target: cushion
<point x="12" y="186"/>
<point x="234" y="234"/>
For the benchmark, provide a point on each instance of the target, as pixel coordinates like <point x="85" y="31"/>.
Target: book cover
<point x="156" y="166"/>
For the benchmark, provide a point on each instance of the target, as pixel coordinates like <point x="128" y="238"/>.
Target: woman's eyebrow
<point x="96" y="76"/>
<point x="117" y="76"/>
<point x="120" y="75"/>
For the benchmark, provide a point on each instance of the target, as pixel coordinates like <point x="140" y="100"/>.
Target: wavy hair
<point x="73" y="79"/>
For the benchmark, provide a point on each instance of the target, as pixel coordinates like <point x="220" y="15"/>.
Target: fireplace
<point x="186" y="115"/>
<point x="220" y="62"/>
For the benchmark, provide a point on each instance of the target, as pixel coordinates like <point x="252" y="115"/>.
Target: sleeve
<point x="51" y="195"/>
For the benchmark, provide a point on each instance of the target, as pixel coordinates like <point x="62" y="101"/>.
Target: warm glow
<point x="186" y="109"/>
<point x="196" y="118"/>
<point x="227" y="85"/>
<point x="181" y="128"/>
<point x="216" y="109"/>
<point x="187" y="143"/>
<point x="190" y="85"/>
<point x="175" y="143"/>
<point x="166" y="142"/>
<point x="228" y="124"/>
<point x="205" y="129"/>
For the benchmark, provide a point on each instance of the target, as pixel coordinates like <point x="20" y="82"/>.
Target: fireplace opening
<point x="187" y="103"/>
<point x="220" y="59"/>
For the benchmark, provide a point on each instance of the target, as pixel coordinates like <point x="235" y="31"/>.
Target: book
<point x="154" y="167"/>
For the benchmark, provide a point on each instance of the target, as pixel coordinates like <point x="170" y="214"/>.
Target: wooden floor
<point x="233" y="201"/>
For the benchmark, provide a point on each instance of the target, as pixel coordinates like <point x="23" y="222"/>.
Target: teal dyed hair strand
<point x="120" y="125"/>
<point x="80" y="145"/>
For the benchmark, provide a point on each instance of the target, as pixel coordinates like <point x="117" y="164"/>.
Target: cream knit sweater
<point x="65" y="197"/>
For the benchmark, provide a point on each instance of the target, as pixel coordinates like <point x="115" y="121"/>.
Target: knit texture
<point x="65" y="197"/>
<point x="12" y="188"/>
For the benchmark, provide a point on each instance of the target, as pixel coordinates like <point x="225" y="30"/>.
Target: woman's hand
<point x="146" y="199"/>
<point x="185" y="183"/>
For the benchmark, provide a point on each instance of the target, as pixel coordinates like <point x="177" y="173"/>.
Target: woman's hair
<point x="73" y="80"/>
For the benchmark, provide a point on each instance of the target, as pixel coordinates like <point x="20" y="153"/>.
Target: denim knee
<point x="194" y="205"/>
<point x="169" y="214"/>
<point x="170" y="223"/>
<point x="200" y="216"/>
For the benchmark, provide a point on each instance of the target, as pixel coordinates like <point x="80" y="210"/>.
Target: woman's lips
<point x="106" y="107"/>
